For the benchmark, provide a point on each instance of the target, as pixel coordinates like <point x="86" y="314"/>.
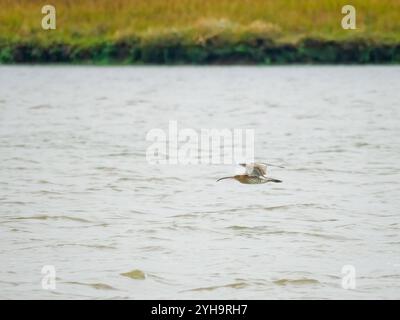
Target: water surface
<point x="76" y="191"/>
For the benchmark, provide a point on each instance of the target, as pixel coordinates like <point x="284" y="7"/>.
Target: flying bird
<point x="256" y="173"/>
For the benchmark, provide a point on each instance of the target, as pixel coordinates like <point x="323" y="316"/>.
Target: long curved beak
<point x="225" y="178"/>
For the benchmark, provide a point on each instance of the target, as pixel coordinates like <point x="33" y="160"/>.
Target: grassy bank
<point x="200" y="31"/>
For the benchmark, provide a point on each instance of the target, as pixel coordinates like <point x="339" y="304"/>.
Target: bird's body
<point x="246" y="179"/>
<point x="256" y="173"/>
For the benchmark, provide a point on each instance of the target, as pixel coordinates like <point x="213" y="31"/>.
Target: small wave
<point x="13" y="283"/>
<point x="235" y="285"/>
<point x="160" y="279"/>
<point x="295" y="205"/>
<point x="41" y="106"/>
<point x="240" y="228"/>
<point x="135" y="102"/>
<point x="255" y="208"/>
<point x="16" y="202"/>
<point x="361" y="144"/>
<point x="135" y="274"/>
<point x="127" y="179"/>
<point x="154" y="179"/>
<point x="93" y="246"/>
<point x="302" y="281"/>
<point x="47" y="192"/>
<point x="124" y="154"/>
<point x="267" y="230"/>
<point x="104" y="168"/>
<point x="46" y="217"/>
<point x="153" y="248"/>
<point x="187" y="215"/>
<point x="179" y="227"/>
<point x="390" y="276"/>
<point x="98" y="286"/>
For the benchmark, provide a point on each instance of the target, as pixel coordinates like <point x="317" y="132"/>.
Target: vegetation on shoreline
<point x="200" y="32"/>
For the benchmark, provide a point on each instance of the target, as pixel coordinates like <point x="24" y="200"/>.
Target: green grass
<point x="200" y="31"/>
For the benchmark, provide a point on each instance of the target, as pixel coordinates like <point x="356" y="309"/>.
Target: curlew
<point x="256" y="173"/>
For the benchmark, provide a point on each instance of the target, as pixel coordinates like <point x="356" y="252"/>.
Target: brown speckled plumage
<point x="255" y="174"/>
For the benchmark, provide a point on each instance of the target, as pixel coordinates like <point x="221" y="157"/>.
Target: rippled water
<point x="77" y="193"/>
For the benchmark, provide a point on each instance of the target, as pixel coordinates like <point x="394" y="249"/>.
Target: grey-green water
<point x="77" y="193"/>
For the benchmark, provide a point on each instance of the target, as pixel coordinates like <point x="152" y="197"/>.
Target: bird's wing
<point x="260" y="168"/>
<point x="255" y="169"/>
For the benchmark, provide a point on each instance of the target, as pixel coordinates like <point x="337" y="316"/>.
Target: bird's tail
<point x="274" y="180"/>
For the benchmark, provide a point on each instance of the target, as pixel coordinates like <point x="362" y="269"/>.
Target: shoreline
<point x="255" y="52"/>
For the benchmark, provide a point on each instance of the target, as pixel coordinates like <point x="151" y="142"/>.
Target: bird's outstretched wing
<point x="255" y="169"/>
